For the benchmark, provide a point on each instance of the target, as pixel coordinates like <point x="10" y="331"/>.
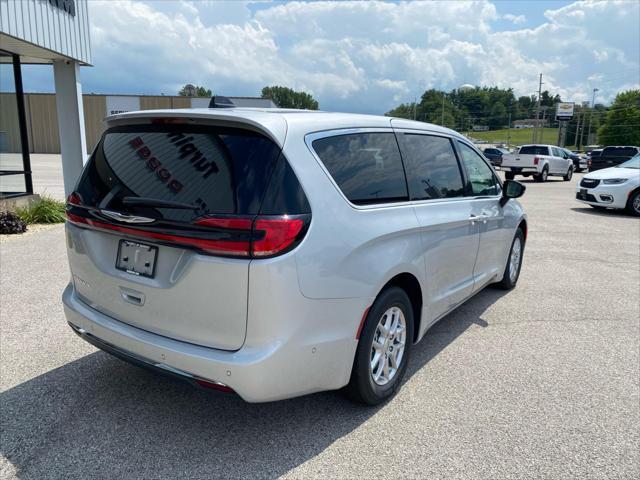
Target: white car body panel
<point x="619" y="193"/>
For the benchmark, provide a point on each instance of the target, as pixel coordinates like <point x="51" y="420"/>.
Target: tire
<point x="542" y="177"/>
<point x="569" y="174"/>
<point x="363" y="386"/>
<point x="633" y="204"/>
<point x="509" y="280"/>
<point x="509" y="175"/>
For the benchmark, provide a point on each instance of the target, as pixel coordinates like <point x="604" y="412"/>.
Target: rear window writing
<point x="217" y="170"/>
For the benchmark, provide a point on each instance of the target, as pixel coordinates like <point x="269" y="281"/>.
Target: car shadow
<point x="606" y="212"/>
<point x="99" y="417"/>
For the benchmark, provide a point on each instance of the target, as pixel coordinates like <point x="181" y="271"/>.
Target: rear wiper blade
<point x="157" y="203"/>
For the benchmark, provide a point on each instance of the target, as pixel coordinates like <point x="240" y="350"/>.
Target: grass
<point x="45" y="210"/>
<point x="518" y="137"/>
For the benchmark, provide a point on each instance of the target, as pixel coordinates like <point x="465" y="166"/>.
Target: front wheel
<point x="633" y="204"/>
<point x="569" y="174"/>
<point x="514" y="262"/>
<point x="383" y="350"/>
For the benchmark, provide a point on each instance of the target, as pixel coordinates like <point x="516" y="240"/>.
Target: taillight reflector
<point x="536" y="160"/>
<point x="221" y="387"/>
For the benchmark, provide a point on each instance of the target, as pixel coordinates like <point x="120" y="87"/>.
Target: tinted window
<point x="366" y="166"/>
<point x="619" y="152"/>
<point x="432" y="167"/>
<point x="534" y="150"/>
<point x="218" y="170"/>
<point x="483" y="181"/>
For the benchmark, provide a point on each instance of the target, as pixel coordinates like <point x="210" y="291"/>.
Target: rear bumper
<point x="519" y="169"/>
<point x="277" y="370"/>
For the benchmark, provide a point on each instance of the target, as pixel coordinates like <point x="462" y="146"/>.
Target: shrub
<point x="11" y="223"/>
<point x="45" y="210"/>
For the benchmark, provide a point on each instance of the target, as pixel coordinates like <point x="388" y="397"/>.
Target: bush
<point x="11" y="223"/>
<point x="45" y="210"/>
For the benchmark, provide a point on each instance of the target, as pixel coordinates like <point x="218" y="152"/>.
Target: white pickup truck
<point x="541" y="161"/>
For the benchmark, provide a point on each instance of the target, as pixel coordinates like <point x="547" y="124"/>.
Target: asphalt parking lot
<point x="539" y="382"/>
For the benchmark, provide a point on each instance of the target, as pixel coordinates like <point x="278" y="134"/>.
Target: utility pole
<point x="415" y="107"/>
<point x="509" y="130"/>
<point x="593" y="104"/>
<point x="577" y="131"/>
<point x="535" y="126"/>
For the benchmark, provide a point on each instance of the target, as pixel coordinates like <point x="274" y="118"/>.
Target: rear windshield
<point x="217" y="170"/>
<point x="534" y="150"/>
<point x="619" y="152"/>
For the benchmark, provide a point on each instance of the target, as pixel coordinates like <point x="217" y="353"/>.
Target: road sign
<point x="564" y="111"/>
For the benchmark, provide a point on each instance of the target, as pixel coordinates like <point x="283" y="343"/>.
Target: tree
<point x="194" y="91"/>
<point x="621" y="125"/>
<point x="285" y="97"/>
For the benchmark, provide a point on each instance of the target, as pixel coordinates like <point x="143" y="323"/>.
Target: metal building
<point x="53" y="32"/>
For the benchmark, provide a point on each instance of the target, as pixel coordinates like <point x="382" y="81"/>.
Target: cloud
<point x="515" y="19"/>
<point x="360" y="56"/>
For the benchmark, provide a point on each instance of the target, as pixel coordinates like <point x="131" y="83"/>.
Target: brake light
<point x="74" y="198"/>
<point x="278" y="234"/>
<point x="535" y="160"/>
<point x="261" y="236"/>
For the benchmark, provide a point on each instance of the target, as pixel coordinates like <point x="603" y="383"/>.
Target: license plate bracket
<point x="137" y="258"/>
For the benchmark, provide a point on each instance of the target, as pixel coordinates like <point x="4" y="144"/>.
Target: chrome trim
<point x="121" y="217"/>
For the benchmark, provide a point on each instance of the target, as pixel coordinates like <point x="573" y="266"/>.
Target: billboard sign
<point x="564" y="111"/>
<point x="121" y="104"/>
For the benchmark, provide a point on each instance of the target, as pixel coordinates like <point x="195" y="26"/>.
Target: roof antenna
<point x="221" y="102"/>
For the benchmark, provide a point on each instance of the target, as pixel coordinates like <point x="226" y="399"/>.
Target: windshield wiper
<point x="157" y="203"/>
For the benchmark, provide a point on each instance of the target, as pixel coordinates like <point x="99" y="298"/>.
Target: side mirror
<point x="511" y="189"/>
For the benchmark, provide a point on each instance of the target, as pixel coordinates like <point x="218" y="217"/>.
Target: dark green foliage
<point x="45" y="210"/>
<point x="621" y="125"/>
<point x="285" y="97"/>
<point x="200" y="92"/>
<point x="11" y="223"/>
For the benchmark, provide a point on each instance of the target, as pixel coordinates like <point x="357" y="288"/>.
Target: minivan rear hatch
<point x="160" y="226"/>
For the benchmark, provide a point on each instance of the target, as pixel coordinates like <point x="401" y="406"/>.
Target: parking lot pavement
<point x="539" y="382"/>
<point x="47" y="174"/>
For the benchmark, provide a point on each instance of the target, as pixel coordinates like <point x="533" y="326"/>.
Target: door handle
<point x="478" y="218"/>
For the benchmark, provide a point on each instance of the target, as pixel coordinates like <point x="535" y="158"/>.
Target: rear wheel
<point x="509" y="175"/>
<point x="569" y="174"/>
<point x="633" y="204"/>
<point x="542" y="177"/>
<point x="514" y="262"/>
<point x="383" y="350"/>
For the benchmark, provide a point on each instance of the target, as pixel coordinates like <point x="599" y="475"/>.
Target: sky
<point x="360" y="56"/>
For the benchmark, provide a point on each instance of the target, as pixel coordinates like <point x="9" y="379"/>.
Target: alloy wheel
<point x="514" y="259"/>
<point x="387" y="350"/>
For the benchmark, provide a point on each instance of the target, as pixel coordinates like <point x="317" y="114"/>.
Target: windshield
<point x="633" y="162"/>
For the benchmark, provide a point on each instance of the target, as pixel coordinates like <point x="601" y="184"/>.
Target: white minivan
<point x="276" y="253"/>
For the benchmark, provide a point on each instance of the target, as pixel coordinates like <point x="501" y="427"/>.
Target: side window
<point x="366" y="166"/>
<point x="483" y="181"/>
<point x="432" y="167"/>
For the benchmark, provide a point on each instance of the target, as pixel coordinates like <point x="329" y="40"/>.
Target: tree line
<point x="495" y="108"/>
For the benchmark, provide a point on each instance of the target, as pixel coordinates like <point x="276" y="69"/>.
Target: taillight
<point x="277" y="234"/>
<point x="74" y="198"/>
<point x="535" y="160"/>
<point x="233" y="236"/>
<point x="268" y="235"/>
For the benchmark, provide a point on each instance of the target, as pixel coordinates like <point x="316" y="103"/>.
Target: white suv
<point x="276" y="253"/>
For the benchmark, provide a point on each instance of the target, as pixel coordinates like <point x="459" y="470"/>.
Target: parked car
<point x="612" y="156"/>
<point x="277" y="253"/>
<point x="593" y="155"/>
<point x="495" y="155"/>
<point x="617" y="187"/>
<point x="541" y="161"/>
<point x="579" y="161"/>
